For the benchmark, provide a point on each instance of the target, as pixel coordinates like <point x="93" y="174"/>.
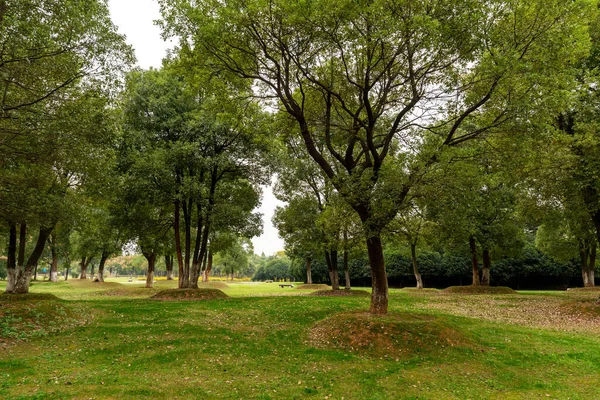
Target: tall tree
<point x="379" y="90"/>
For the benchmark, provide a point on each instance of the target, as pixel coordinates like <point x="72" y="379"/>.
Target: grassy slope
<point x="258" y="347"/>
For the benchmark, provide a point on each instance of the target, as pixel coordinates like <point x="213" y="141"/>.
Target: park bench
<point x="285" y="285"/>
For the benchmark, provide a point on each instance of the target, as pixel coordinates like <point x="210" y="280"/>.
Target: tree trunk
<point x="54" y="265"/>
<point x="83" y="264"/>
<point x="474" y="262"/>
<point x="178" y="243"/>
<point x="592" y="266"/>
<point x="93" y="267"/>
<point x="67" y="273"/>
<point x="379" y="294"/>
<point x="35" y="272"/>
<point x="22" y="284"/>
<point x="12" y="259"/>
<point x="413" y="256"/>
<point x="209" y="263"/>
<point x="308" y="270"/>
<point x="103" y="259"/>
<point x="184" y="278"/>
<point x="331" y="259"/>
<point x="169" y="267"/>
<point x="583" y="258"/>
<point x="346" y="270"/>
<point x="485" y="272"/>
<point x="151" y="258"/>
<point x="22" y="244"/>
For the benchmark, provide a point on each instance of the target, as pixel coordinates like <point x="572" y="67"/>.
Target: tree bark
<point x="22" y="285"/>
<point x="346" y="271"/>
<point x="209" y="264"/>
<point x="592" y="266"/>
<point x="379" y="284"/>
<point x="85" y="262"/>
<point x="103" y="259"/>
<point x="67" y="273"/>
<point x="413" y="256"/>
<point x="54" y="265"/>
<point x="583" y="258"/>
<point x="487" y="264"/>
<point x="22" y="244"/>
<point x="151" y="257"/>
<point x="184" y="278"/>
<point x="474" y="262"/>
<point x="331" y="259"/>
<point x="178" y="243"/>
<point x="12" y="259"/>
<point x="169" y="267"/>
<point x="308" y="262"/>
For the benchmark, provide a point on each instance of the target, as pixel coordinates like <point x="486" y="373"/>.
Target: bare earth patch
<point x="34" y="315"/>
<point x="479" y="290"/>
<point x="341" y="293"/>
<point x="391" y="335"/>
<point x="313" y="286"/>
<point x="563" y="312"/>
<point x="189" y="294"/>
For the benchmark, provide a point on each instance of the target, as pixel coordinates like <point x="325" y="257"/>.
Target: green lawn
<point x="265" y="342"/>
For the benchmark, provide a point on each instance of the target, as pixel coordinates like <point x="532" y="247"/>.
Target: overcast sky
<point x="134" y="18"/>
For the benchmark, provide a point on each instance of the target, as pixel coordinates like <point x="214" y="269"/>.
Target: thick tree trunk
<point x="22" y="244"/>
<point x="83" y="264"/>
<point x="592" y="266"/>
<point x="583" y="258"/>
<point x="474" y="262"/>
<point x="22" y="284"/>
<point x="487" y="264"/>
<point x="12" y="259"/>
<point x="184" y="278"/>
<point x="151" y="257"/>
<point x="169" y="267"/>
<point x="54" y="265"/>
<point x="331" y="260"/>
<point x="103" y="259"/>
<point x="379" y="294"/>
<point x="346" y="271"/>
<point x="209" y="263"/>
<point x="178" y="243"/>
<point x="413" y="256"/>
<point x="308" y="262"/>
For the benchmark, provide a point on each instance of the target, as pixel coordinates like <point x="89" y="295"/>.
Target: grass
<point x="266" y="342"/>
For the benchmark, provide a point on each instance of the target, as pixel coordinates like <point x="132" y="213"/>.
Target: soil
<point x="313" y="286"/>
<point x="393" y="335"/>
<point x="213" y="285"/>
<point x="479" y="290"/>
<point x="189" y="294"/>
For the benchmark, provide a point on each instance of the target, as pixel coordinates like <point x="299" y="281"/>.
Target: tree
<point x="379" y="91"/>
<point x="59" y="62"/>
<point x="203" y="142"/>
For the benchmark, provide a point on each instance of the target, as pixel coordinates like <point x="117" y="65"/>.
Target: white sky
<point x="134" y="18"/>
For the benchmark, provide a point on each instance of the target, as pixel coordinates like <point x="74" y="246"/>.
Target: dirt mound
<point x="583" y="309"/>
<point x="391" y="335"/>
<point x="585" y="289"/>
<point x="479" y="290"/>
<point x="88" y="284"/>
<point x="313" y="286"/>
<point x="8" y="297"/>
<point x="35" y="315"/>
<point x="129" y="291"/>
<point x="189" y="294"/>
<point x="341" y="293"/>
<point x="213" y="285"/>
